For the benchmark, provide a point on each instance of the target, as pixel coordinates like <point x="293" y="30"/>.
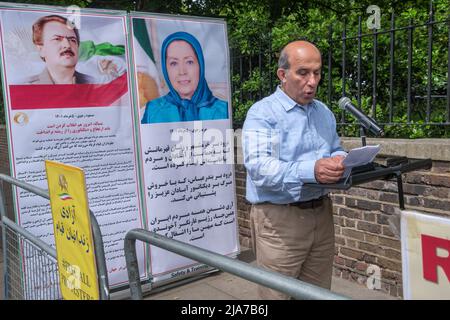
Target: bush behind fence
<point x="398" y="74"/>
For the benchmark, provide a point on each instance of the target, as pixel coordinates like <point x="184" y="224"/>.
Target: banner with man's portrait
<point x="68" y="99"/>
<point x="186" y="137"/>
<point x="154" y="137"/>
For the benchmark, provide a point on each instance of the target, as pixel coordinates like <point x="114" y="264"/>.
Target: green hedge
<point x="248" y="32"/>
<point x="271" y="24"/>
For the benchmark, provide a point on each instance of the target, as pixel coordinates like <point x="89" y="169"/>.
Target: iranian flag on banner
<point x="105" y="62"/>
<point x="64" y="196"/>
<point x="147" y="72"/>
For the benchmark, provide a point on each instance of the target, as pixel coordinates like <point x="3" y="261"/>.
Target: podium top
<point x="374" y="171"/>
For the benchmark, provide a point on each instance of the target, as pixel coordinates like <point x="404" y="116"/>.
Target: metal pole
<point x="362" y="133"/>
<point x="359" y="61"/>
<point x="410" y="56"/>
<point x="232" y="72"/>
<point x="29" y="187"/>
<point x="293" y="287"/>
<point x="5" y="255"/>
<point x="260" y="70"/>
<point x="330" y="52"/>
<point x="250" y="67"/>
<point x="241" y="73"/>
<point x="343" y="73"/>
<point x="401" y="198"/>
<point x="270" y="64"/>
<point x="448" y="71"/>
<point x="430" y="62"/>
<point x="132" y="267"/>
<point x="100" y="260"/>
<point x="374" y="74"/>
<point x="391" y="69"/>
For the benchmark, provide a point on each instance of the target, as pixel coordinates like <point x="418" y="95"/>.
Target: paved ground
<point x="224" y="286"/>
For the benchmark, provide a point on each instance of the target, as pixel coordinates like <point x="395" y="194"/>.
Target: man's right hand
<point x="328" y="170"/>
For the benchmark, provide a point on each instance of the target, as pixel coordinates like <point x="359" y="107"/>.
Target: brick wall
<point x="363" y="234"/>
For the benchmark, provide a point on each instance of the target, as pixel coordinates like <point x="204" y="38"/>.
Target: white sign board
<point x="425" y="255"/>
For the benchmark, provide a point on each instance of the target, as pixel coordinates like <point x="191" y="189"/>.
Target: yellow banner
<point x="72" y="229"/>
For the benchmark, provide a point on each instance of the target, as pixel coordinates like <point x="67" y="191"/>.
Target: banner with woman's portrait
<point x="187" y="155"/>
<point x="141" y="103"/>
<point x="67" y="98"/>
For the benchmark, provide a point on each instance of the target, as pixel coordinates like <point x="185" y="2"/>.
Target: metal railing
<point x="411" y="93"/>
<point x="293" y="287"/>
<point x="24" y="251"/>
<point x="29" y="266"/>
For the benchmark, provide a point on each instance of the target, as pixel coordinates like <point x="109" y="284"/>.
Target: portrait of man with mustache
<point x="57" y="42"/>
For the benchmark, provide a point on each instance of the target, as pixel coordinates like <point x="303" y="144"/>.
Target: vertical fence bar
<point x="410" y="53"/>
<point x="241" y="93"/>
<point x="41" y="280"/>
<point x="359" y="60"/>
<point x="430" y="61"/>
<point x="4" y="244"/>
<point x="448" y="71"/>
<point x="260" y="71"/>
<point x="232" y="72"/>
<point x="102" y="272"/>
<point x="344" y="35"/>
<point x="132" y="267"/>
<point x="330" y="53"/>
<point x="30" y="282"/>
<point x="374" y="73"/>
<point x="56" y="281"/>
<point x="391" y="68"/>
<point x="250" y="71"/>
<point x="270" y="65"/>
<point x="46" y="280"/>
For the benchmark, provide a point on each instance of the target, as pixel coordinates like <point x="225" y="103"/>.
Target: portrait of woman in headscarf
<point x="189" y="98"/>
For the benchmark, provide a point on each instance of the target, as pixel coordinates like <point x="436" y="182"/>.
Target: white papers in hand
<point x="359" y="157"/>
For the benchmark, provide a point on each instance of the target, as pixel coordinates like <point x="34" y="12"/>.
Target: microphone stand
<point x="362" y="134"/>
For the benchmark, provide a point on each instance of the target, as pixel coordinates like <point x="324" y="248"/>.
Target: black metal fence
<point x="383" y="70"/>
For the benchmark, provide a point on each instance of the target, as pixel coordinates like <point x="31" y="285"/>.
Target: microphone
<point x="367" y="122"/>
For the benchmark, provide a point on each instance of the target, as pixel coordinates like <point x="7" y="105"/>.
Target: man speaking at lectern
<point x="289" y="139"/>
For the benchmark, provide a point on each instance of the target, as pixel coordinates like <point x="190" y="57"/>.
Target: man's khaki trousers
<point x="295" y="242"/>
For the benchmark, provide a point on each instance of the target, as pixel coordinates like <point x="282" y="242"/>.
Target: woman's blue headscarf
<point x="202" y="96"/>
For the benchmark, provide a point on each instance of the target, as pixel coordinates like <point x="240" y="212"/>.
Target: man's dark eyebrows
<point x="308" y="69"/>
<point x="62" y="36"/>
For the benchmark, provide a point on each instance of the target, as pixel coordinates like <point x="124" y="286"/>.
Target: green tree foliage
<point x="320" y="22"/>
<point x="265" y="26"/>
<point x="62" y="3"/>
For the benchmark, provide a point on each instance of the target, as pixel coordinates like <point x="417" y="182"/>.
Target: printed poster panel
<point x="73" y="233"/>
<point x="187" y="156"/>
<point x="67" y="99"/>
<point x="425" y="256"/>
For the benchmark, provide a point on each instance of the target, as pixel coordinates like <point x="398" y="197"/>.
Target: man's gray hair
<point x="283" y="61"/>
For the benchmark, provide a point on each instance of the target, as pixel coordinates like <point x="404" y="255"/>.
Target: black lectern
<point x="373" y="171"/>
